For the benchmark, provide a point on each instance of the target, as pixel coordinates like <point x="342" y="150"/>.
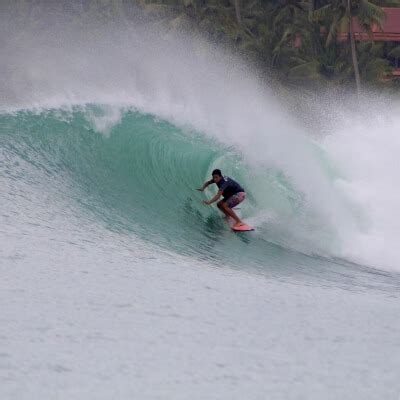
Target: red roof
<point x="392" y="22"/>
<point x="390" y="31"/>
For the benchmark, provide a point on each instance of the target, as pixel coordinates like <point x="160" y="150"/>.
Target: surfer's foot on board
<point x="240" y="223"/>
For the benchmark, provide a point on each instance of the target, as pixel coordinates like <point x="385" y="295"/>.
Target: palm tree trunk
<point x="311" y="8"/>
<point x="237" y="11"/>
<point x="353" y="49"/>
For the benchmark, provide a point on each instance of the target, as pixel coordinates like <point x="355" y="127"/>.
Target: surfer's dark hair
<point x="217" y="172"/>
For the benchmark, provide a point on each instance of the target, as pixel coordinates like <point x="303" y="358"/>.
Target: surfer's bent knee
<point x="224" y="205"/>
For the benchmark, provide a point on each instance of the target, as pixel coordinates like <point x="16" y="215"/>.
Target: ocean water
<point x="117" y="282"/>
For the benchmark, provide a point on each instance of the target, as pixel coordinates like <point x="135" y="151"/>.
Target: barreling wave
<point x="141" y="177"/>
<point x="130" y="125"/>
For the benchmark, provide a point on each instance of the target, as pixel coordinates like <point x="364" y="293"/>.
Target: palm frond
<point x="310" y="70"/>
<point x="369" y="13"/>
<point x="322" y="13"/>
<point x="282" y="15"/>
<point x="395" y="52"/>
<point x="332" y="31"/>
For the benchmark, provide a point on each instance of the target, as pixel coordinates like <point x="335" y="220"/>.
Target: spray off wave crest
<point x="307" y="193"/>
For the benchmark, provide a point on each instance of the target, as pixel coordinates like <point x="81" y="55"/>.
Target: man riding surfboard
<point x="233" y="194"/>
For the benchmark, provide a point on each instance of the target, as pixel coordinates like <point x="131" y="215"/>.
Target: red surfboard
<point x="242" y="228"/>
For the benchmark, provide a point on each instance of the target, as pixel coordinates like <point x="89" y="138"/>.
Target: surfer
<point x="233" y="194"/>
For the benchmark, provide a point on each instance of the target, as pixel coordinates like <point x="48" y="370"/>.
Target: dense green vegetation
<point x="295" y="40"/>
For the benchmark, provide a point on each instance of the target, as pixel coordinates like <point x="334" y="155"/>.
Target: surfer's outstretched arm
<point x="214" y="199"/>
<point x="205" y="185"/>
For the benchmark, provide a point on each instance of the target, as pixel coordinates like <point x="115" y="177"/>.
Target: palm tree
<point x="353" y="46"/>
<point x="237" y="12"/>
<point x="340" y="15"/>
<point x="373" y="64"/>
<point x="293" y="47"/>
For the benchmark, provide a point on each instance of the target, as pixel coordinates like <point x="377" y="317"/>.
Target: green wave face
<point x="141" y="177"/>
